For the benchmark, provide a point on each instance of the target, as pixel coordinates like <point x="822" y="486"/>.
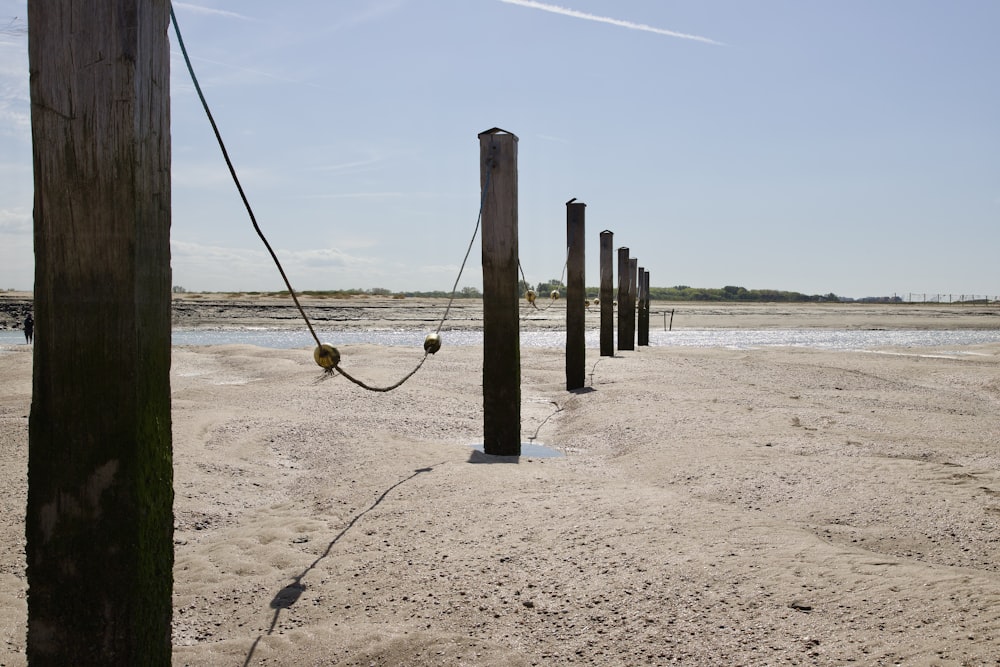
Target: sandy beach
<point x="708" y="506"/>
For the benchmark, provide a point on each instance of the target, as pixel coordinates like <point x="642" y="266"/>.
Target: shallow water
<point x="831" y="339"/>
<point x="740" y="339"/>
<point x="529" y="450"/>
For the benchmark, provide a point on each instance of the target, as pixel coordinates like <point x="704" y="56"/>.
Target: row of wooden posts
<point x="99" y="516"/>
<point x="501" y="325"/>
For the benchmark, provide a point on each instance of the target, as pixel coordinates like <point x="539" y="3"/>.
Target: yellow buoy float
<point x="432" y="343"/>
<point x="326" y="356"/>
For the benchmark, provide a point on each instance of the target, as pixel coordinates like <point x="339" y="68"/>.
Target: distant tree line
<point x="545" y="288"/>
<point x="734" y="293"/>
<point x="462" y="293"/>
<point x="685" y="293"/>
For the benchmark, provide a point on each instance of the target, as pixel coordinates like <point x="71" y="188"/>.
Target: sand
<point x="774" y="506"/>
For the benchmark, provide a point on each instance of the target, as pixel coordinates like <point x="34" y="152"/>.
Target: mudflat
<point x="195" y="310"/>
<point x="358" y="313"/>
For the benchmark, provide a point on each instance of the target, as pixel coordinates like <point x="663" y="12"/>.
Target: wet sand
<point x="775" y="506"/>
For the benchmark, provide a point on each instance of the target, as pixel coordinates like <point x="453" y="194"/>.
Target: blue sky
<point x="849" y="147"/>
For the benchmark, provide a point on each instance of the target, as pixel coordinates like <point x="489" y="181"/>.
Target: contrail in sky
<point x="531" y="4"/>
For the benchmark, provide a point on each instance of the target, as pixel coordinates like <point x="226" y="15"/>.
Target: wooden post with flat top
<point x="501" y="327"/>
<point x="607" y="294"/>
<point x="633" y="291"/>
<point x="99" y="520"/>
<point x="576" y="295"/>
<point x="643" y="307"/>
<point x="638" y="303"/>
<point x="626" y="340"/>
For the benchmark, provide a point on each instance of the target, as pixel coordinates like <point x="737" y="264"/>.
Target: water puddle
<point x="529" y="450"/>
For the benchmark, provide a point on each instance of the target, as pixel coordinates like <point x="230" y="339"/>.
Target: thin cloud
<point x="254" y="72"/>
<point x="16" y="26"/>
<point x="371" y="11"/>
<point x="198" y="9"/>
<point x="15" y="222"/>
<point x="246" y="269"/>
<point x="564" y="11"/>
<point x="549" y="137"/>
<point x="358" y="195"/>
<point x="15" y="103"/>
<point x="358" y="166"/>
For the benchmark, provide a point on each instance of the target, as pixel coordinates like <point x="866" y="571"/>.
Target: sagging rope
<point x="326" y="356"/>
<point x="531" y="297"/>
<point x="232" y="172"/>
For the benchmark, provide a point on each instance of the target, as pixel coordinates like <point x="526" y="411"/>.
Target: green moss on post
<point x="100" y="490"/>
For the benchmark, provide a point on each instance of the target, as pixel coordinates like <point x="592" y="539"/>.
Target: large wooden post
<point x="607" y="294"/>
<point x="99" y="522"/>
<point x="501" y="331"/>
<point x="625" y="336"/>
<point x="576" y="295"/>
<point x="643" y="307"/>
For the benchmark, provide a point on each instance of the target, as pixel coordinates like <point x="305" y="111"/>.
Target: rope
<point x="451" y="300"/>
<point x="479" y="219"/>
<point x="558" y="409"/>
<point x="383" y="389"/>
<point x="593" y="369"/>
<point x="561" y="279"/>
<point x="236" y="179"/>
<point x="253" y="219"/>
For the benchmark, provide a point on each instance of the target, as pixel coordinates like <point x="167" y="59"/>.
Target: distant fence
<point x="926" y="297"/>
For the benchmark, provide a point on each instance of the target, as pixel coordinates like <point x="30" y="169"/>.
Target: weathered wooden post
<point x="99" y="524"/>
<point x="638" y="303"/>
<point x="501" y="332"/>
<point x="633" y="292"/>
<point x="643" y="307"/>
<point x="625" y="336"/>
<point x="576" y="295"/>
<point x="606" y="295"/>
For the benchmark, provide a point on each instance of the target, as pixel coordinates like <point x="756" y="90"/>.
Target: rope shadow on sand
<point x="290" y="594"/>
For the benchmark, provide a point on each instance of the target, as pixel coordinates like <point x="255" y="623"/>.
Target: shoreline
<point x="361" y="313"/>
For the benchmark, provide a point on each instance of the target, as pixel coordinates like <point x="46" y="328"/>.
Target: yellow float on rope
<point x="530" y="296"/>
<point x="555" y="295"/>
<point x="432" y="343"/>
<point x="326" y="356"/>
